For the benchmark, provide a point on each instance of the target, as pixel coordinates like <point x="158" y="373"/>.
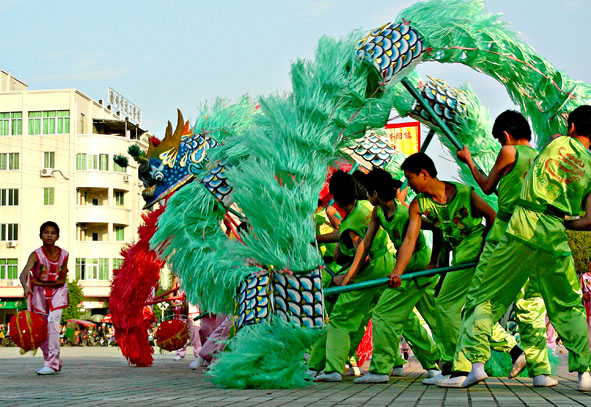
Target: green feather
<point x="269" y="355"/>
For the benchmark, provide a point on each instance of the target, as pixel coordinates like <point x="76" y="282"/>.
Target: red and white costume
<point x="49" y="302"/>
<point x="193" y="326"/>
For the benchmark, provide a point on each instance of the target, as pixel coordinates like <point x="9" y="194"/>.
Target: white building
<point x="56" y="163"/>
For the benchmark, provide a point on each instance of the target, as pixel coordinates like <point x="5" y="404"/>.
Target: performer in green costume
<point x="393" y="315"/>
<point x="535" y="246"/>
<point x="457" y="211"/>
<point x="351" y="308"/>
<point x="515" y="158"/>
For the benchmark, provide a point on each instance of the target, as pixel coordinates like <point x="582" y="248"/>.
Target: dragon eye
<point x="158" y="176"/>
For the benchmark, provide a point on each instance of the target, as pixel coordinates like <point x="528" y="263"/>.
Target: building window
<point x="48" y="196"/>
<point x="92" y="162"/>
<point x="8" y="269"/>
<point x="35" y="123"/>
<point x="118" y="168"/>
<point x="16" y="123"/>
<point x="117" y="263"/>
<point x="49" y="159"/>
<point x="11" y="124"/>
<point x="119" y="233"/>
<point x="9" y="197"/>
<point x="119" y="201"/>
<point x="92" y="269"/>
<point x="9" y="161"/>
<point x="8" y="231"/>
<point x="49" y="122"/>
<point x="103" y="162"/>
<point x="81" y="161"/>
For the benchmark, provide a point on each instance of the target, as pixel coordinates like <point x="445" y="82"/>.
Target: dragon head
<point x="171" y="162"/>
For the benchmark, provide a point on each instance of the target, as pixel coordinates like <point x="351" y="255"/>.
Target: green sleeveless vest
<point x="358" y="221"/>
<point x="556" y="185"/>
<point x="510" y="183"/>
<point x="454" y="218"/>
<point x="396" y="229"/>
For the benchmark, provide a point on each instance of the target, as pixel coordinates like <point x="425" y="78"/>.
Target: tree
<point x="73" y="311"/>
<point x="579" y="243"/>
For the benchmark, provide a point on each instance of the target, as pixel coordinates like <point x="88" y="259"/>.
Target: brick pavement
<point x="100" y="376"/>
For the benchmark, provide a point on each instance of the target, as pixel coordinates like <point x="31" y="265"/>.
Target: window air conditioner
<point x="46" y="172"/>
<point x="126" y="178"/>
<point x="10" y="244"/>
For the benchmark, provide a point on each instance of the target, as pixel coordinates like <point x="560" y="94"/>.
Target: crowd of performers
<point x="521" y="251"/>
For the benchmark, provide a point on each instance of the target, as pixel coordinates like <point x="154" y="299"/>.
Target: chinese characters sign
<point x="405" y="137"/>
<point x="125" y="108"/>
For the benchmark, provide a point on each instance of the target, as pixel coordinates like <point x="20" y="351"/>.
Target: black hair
<point x="581" y="118"/>
<point x="344" y="188"/>
<point x="417" y="162"/>
<point x="380" y="181"/>
<point x="513" y="123"/>
<point x="49" y="223"/>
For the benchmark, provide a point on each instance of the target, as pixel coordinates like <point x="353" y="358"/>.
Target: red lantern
<point x="172" y="335"/>
<point x="28" y="330"/>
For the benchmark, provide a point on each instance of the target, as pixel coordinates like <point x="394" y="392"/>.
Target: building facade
<point x="56" y="163"/>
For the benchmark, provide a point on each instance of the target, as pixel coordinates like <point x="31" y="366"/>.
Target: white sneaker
<point x="197" y="363"/>
<point x="177" y="358"/>
<point x="433" y="380"/>
<point x="584" y="381"/>
<point x="544" y="381"/>
<point x="372" y="378"/>
<point x="476" y="375"/>
<point x="518" y="366"/>
<point x="329" y="377"/>
<point x="397" y="372"/>
<point x="312" y="373"/>
<point x="452" y="382"/>
<point x="45" y="370"/>
<point x="432" y="373"/>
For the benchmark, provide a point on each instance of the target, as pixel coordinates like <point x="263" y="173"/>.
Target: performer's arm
<point x="23" y="277"/>
<point x="333" y="218"/>
<point x="584" y="222"/>
<point x="503" y="164"/>
<point x="361" y="251"/>
<point x="331" y="237"/>
<point x="479" y="206"/>
<point x="408" y="244"/>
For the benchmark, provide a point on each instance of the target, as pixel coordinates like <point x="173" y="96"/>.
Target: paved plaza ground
<point x="101" y="377"/>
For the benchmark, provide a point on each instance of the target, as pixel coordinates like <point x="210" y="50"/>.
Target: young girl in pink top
<point x="44" y="282"/>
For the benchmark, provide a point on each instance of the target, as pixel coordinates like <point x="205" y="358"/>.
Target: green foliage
<point x="579" y="243"/>
<point x="76" y="297"/>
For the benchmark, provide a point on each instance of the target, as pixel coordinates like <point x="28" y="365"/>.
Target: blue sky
<point x="164" y="55"/>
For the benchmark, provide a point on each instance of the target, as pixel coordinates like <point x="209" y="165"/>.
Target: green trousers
<point x="348" y="313"/>
<point x="317" y="359"/>
<point x="529" y="310"/>
<point x="393" y="316"/>
<point x="530" y="313"/>
<point x="454" y="294"/>
<point x="510" y="266"/>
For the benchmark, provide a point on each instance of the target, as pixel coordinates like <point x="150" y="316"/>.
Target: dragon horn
<point x="171" y="140"/>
